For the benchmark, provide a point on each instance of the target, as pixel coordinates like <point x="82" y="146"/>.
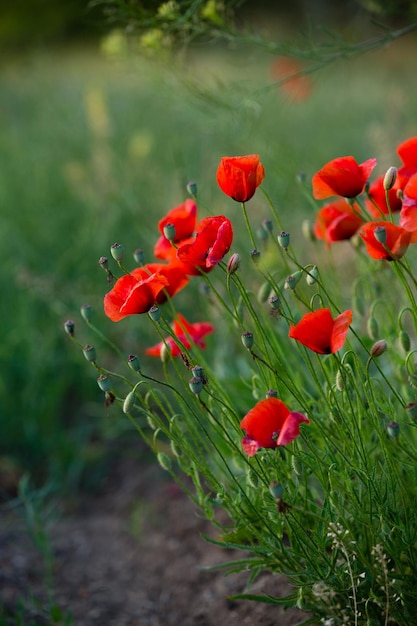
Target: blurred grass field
<point x="95" y="150"/>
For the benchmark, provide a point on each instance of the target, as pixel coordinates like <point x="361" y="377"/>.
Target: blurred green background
<point x="97" y="143"/>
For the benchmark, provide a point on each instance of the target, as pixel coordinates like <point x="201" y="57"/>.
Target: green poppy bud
<point x="275" y="302"/>
<point x="263" y="293"/>
<point x="372" y="328"/>
<point x="164" y="461"/>
<point x="86" y="312"/>
<point x="293" y="280"/>
<point x="129" y="402"/>
<point x="312" y="276"/>
<point x="405" y="342"/>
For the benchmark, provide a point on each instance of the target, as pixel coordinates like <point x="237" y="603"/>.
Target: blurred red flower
<point x="407" y="151"/>
<point x="183" y="218"/>
<point x="336" y="221"/>
<point x="214" y="236"/>
<point x="136" y="292"/>
<point x="377" y="193"/>
<point x="319" y="332"/>
<point x="186" y="334"/>
<point x="239" y="177"/>
<point x="396" y="244"/>
<point x="342" y="177"/>
<point x="292" y="79"/>
<point x="270" y="424"/>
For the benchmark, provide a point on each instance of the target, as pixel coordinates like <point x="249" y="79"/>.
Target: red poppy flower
<point x="183" y="217"/>
<point x="291" y="77"/>
<point x="213" y="239"/>
<point x="336" y="221"/>
<point x="136" y="292"/>
<point x="378" y="195"/>
<point x="407" y="151"/>
<point x="342" y="177"/>
<point x="239" y="177"/>
<point x="186" y="333"/>
<point x="397" y="240"/>
<point x="270" y="424"/>
<point x="319" y="332"/>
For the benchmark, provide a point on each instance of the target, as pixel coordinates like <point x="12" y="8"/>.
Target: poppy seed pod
<point x="154" y="313"/>
<point x="284" y="239"/>
<point x="293" y="280"/>
<point x="196" y="385"/>
<point x="380" y="234"/>
<point x="133" y="362"/>
<point x="276" y="489"/>
<point x="393" y="429"/>
<point x="104" y="382"/>
<point x="312" y="276"/>
<point x="103" y="262"/>
<point x="69" y="327"/>
<point x="247" y="339"/>
<point x="117" y="251"/>
<point x="139" y="256"/>
<point x="86" y="312"/>
<point x="90" y="353"/>
<point x="255" y="255"/>
<point x="192" y="188"/>
<point x="169" y="231"/>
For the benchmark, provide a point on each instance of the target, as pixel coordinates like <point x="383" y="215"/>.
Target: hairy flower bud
<point x="405" y="341"/>
<point x="372" y="328"/>
<point x="390" y="178"/>
<point x="129" y="402"/>
<point x="378" y="348"/>
<point x="233" y="264"/>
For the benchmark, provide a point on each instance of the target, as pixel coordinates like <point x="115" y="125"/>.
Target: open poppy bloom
<point x="396" y="244"/>
<point x="270" y="424"/>
<point x="183" y="218"/>
<point x="214" y="236"/>
<point x="378" y="197"/>
<point x="319" y="332"/>
<point x="342" y="177"/>
<point x="336" y="221"/>
<point x="137" y="292"/>
<point x="186" y="334"/>
<point x="292" y="79"/>
<point x="239" y="177"/>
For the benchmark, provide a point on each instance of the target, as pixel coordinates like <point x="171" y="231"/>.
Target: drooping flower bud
<point x="104" y="382"/>
<point x="390" y="178"/>
<point x="165" y="353"/>
<point x="405" y="341"/>
<point x="378" y="348"/>
<point x="133" y="362"/>
<point x="117" y="251"/>
<point x="340" y="379"/>
<point x="293" y="280"/>
<point x="372" y="328"/>
<point x="247" y="339"/>
<point x="90" y="353"/>
<point x="263" y="293"/>
<point x="69" y="327"/>
<point x="312" y="276"/>
<point x="233" y="264"/>
<point x="284" y="239"/>
<point x="164" y="461"/>
<point x="86" y="312"/>
<point x="129" y="402"/>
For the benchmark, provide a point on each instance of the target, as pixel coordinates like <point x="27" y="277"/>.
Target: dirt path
<point x="133" y="556"/>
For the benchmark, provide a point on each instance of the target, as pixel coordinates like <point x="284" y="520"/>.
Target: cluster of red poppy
<point x="395" y="193"/>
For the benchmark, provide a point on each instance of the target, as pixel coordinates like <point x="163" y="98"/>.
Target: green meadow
<point x="95" y="149"/>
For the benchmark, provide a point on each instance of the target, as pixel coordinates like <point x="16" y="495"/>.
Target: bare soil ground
<point x="133" y="555"/>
